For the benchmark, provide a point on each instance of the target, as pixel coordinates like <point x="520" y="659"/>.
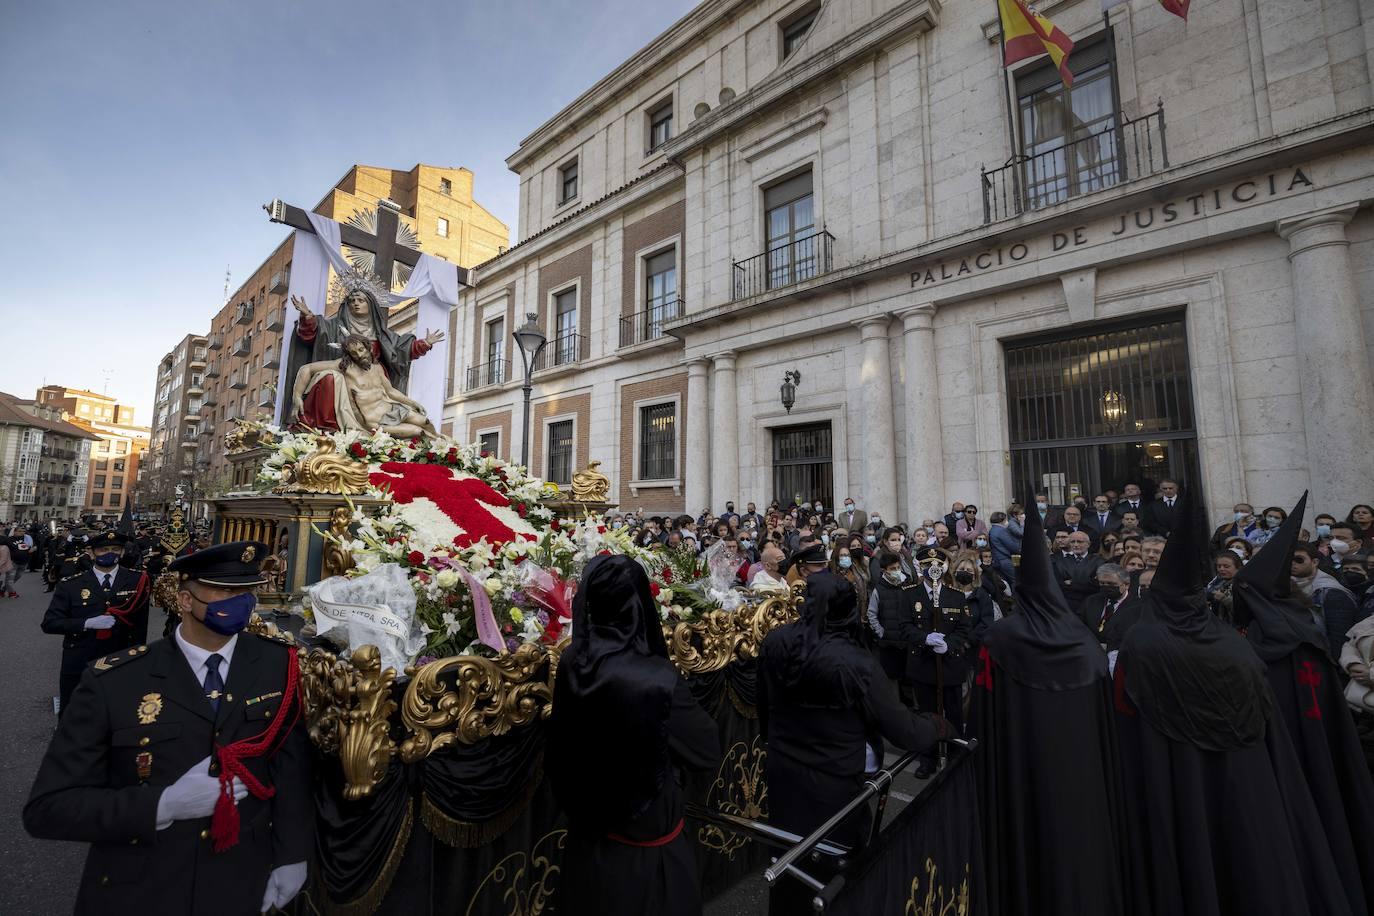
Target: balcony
<point x="281" y="282"/>
<point x="193" y="414"/>
<point x="648" y="324"/>
<point x="274" y="320"/>
<point x="212" y="370"/>
<point x="794" y="262"/>
<point x="238" y="383"/>
<point x="243" y="313"/>
<point x="215" y="342"/>
<point x="563" y="350"/>
<point x="210" y="400"/>
<point x="271" y="360"/>
<point x="198" y="358"/>
<point x="195" y="388"/>
<point x="233" y="413"/>
<point x="243" y="346"/>
<point x="64" y="454"/>
<point x="192" y="443"/>
<point x="490" y="373"/>
<point x="1120" y="152"/>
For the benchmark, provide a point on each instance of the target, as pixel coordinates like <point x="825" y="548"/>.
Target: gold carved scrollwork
<point x="522" y="882"/>
<point x="337" y="559"/>
<point x="467" y="698"/>
<point x="590" y="485"/>
<point x="939" y="900"/>
<point x="348" y="706"/>
<point x="717" y="638"/>
<point x="324" y="471"/>
<point x="739" y="789"/>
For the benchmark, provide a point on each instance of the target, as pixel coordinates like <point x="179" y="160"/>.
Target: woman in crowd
<point x="1270" y="520"/>
<point x="1241" y="548"/>
<point x="1362" y="517"/>
<point x="624" y="725"/>
<point x="982" y="609"/>
<point x="1132" y="561"/>
<point x="1225" y="564"/>
<point x="1106" y="547"/>
<point x="845" y="564"/>
<point x="970" y="526"/>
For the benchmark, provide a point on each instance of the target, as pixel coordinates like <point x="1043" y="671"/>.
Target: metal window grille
<point x="489" y="443"/>
<point x="802" y="463"/>
<point x="560" y="452"/>
<point x="658" y="442"/>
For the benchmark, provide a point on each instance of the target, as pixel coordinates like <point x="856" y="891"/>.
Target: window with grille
<point x="489" y="443"/>
<point x="100" y="481"/>
<point x="660" y="125"/>
<point x="790" y="222"/>
<point x="114" y="499"/>
<point x="658" y="442"/>
<point x="97" y="499"/>
<point x="560" y="453"/>
<point x="567" y="182"/>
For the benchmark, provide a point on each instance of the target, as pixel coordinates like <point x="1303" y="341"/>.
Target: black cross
<point x="383" y="245"/>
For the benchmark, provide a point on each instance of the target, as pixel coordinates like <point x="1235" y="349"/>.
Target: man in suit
<point x="185" y="764"/>
<point x="1073" y="523"/>
<point x="98" y="611"/>
<point x="1101" y="519"/>
<point x="943" y="632"/>
<point x="955" y="515"/>
<point x="1161" y="515"/>
<point x="1077" y="569"/>
<point x="1130" y="500"/>
<point x="851" y="518"/>
<point x="1113" y="590"/>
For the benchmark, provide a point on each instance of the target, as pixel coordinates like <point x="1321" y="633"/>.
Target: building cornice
<point x="913" y="16"/>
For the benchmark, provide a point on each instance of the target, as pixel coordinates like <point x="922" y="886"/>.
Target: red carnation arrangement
<point x="415" y="558"/>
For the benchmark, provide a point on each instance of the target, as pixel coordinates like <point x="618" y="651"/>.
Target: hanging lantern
<point x="789" y="388"/>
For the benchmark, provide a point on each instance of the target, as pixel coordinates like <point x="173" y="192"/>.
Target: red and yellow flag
<point x="1027" y="34"/>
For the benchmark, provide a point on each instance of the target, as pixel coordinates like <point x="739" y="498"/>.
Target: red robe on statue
<point x="317" y="408"/>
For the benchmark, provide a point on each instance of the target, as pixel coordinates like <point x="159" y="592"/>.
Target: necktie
<point x="105" y="582"/>
<point x="1102" y="519"/>
<point x="214" y="684"/>
<point x="1169" y="503"/>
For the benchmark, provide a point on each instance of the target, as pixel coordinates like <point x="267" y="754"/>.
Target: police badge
<point x="149" y="708"/>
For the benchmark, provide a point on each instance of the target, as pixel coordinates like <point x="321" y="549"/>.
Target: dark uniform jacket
<point x="1077" y="577"/>
<point x="81" y="597"/>
<point x="136" y="723"/>
<point x="949" y="616"/>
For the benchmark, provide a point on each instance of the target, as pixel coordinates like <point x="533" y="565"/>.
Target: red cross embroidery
<point x="461" y="500"/>
<point x="1311" y="678"/>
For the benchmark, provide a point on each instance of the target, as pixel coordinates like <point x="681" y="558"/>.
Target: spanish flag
<point x="1027" y="34"/>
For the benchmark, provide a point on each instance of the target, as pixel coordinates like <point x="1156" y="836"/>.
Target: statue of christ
<point x="363" y="396"/>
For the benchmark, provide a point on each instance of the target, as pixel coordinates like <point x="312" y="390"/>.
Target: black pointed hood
<point x="126" y="521"/>
<point x="1044" y="644"/>
<point x="1275" y="622"/>
<point x="1190" y="674"/>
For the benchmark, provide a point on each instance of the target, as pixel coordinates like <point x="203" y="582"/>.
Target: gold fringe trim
<point x="467" y="834"/>
<point x="741" y="707"/>
<point x="371" y="899"/>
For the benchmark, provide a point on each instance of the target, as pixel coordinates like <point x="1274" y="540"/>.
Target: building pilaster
<point x="925" y="469"/>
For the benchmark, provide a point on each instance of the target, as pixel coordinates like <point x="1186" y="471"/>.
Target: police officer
<point x="98" y="611"/>
<point x="185" y="764"/>
<point x="943" y="628"/>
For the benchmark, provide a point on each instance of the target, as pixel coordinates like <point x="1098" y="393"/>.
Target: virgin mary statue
<point x="319" y="338"/>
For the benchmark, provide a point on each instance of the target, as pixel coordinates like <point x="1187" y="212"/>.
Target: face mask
<point x="806" y="507"/>
<point x="1339" y="547"/>
<point x="746" y="544"/>
<point x="1042" y="506"/>
<point x="1323" y="531"/>
<point x="1353" y="579"/>
<point x="871" y="538"/>
<point x="1238" y="552"/>
<point x="1111" y="591"/>
<point x="1272" y="521"/>
<point x="106" y="560"/>
<point x="846" y="562"/>
<point x="876" y="520"/>
<point x="935" y="571"/>
<point x="981" y="542"/>
<point x="617" y="525"/>
<point x="1242" y="516"/>
<point x="230" y="615"/>
<point x="895" y="578"/>
<point x="825" y="539"/>
<point x="849" y="507"/>
<point x="963" y="577"/>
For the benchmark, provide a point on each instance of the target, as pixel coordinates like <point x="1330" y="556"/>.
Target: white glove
<point x="1111" y="661"/>
<point x="192" y="796"/>
<point x="285" y="882"/>
<point x="937" y="642"/>
<point x="103" y="622"/>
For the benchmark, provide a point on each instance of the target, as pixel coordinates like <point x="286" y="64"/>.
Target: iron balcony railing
<point x="489" y="373"/>
<point x="281" y="281"/>
<point x="243" y="346"/>
<point x="243" y="314"/>
<point x="49" y="451"/>
<point x="795" y="262"/>
<point x="1127" y="149"/>
<point x="274" y="320"/>
<point x="648" y="324"/>
<point x="215" y="341"/>
<point x="563" y="350"/>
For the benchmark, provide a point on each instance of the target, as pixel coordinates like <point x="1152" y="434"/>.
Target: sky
<point x="139" y="140"/>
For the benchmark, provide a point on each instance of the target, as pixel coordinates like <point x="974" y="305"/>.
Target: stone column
<point x="724" y="434"/>
<point x="1333" y="362"/>
<point x="925" y="469"/>
<point x="696" y="477"/>
<point x="879" y="490"/>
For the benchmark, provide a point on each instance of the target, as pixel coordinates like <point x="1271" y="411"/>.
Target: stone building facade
<point x="43" y="462"/>
<point x="990" y="283"/>
<point x="115" y="456"/>
<point x="174" y="457"/>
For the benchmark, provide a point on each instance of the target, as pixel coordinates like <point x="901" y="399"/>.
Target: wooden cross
<point x="383" y="245"/>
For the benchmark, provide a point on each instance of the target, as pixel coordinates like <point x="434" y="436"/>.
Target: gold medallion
<point x="249" y="553"/>
<point x="150" y="708"/>
<point x="85" y="594"/>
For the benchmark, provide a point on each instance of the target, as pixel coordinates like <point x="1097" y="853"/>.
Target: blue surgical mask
<point x="1273" y="521"/>
<point x="871" y="538"/>
<point x="106" y="560"/>
<point x="230" y="615"/>
<point x="846" y="562"/>
<point x="1323" y="531"/>
<point x="1242" y="516"/>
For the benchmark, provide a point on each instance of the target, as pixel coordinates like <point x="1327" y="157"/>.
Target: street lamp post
<point x="531" y="342"/>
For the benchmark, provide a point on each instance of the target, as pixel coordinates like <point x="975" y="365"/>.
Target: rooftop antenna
<point x="226" y="282"/>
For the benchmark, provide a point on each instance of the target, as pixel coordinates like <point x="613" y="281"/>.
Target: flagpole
<point x="1006" y="95"/>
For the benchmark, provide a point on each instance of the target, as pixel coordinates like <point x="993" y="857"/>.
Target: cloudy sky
<point x="141" y="138"/>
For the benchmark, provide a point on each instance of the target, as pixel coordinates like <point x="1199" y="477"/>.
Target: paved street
<point x="36" y="876"/>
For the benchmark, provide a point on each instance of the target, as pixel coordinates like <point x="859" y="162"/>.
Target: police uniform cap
<point x="232" y="565"/>
<point x="105" y="539"/>
<point x="930" y="555"/>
